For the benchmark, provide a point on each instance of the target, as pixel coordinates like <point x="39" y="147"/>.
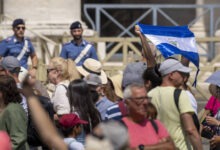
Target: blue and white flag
<point x="173" y="40"/>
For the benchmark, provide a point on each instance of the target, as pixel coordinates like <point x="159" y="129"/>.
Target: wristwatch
<point x="141" y="147"/>
<point x="35" y="67"/>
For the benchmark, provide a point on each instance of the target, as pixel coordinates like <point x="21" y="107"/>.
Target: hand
<point x="215" y="141"/>
<point x="137" y="30"/>
<point x="163" y="140"/>
<point x="212" y="121"/>
<point x="27" y="90"/>
<point x="33" y="72"/>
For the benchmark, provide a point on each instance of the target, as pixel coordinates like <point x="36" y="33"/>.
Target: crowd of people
<point x="148" y="107"/>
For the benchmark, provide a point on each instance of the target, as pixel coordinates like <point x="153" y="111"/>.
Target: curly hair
<point x="152" y="74"/>
<point x="9" y="90"/>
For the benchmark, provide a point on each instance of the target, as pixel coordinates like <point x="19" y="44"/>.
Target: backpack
<point x="124" y="112"/>
<point x="33" y="137"/>
<point x="194" y="116"/>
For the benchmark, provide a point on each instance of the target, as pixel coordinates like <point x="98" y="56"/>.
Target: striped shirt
<point x="113" y="113"/>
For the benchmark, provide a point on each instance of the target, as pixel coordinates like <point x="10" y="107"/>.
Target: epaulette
<point x="67" y="43"/>
<point x="88" y="42"/>
<point x="26" y="38"/>
<point x="8" y="39"/>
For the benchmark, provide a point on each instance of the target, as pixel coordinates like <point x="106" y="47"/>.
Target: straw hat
<point x="92" y="66"/>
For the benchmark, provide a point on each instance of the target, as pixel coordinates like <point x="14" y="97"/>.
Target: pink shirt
<point x="213" y="105"/>
<point x="5" y="143"/>
<point x="144" y="133"/>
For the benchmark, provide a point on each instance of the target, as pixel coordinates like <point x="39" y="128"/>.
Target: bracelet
<point x="35" y="67"/>
<point x="141" y="147"/>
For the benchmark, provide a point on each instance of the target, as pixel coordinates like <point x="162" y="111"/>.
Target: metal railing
<point x="155" y="9"/>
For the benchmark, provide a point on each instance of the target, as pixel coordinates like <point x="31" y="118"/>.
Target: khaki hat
<point x="92" y="66"/>
<point x="117" y="81"/>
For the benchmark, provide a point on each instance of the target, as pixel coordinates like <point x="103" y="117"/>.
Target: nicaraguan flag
<point x="173" y="40"/>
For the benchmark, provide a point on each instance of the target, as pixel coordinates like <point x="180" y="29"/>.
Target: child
<point x="71" y="128"/>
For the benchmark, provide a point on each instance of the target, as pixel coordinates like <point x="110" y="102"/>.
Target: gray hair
<point x="127" y="91"/>
<point x="116" y="132"/>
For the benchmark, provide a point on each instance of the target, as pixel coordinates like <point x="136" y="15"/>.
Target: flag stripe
<point x="186" y="44"/>
<point x="179" y="31"/>
<point x="168" y="50"/>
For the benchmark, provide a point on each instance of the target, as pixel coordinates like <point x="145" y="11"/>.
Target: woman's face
<point x="52" y="74"/>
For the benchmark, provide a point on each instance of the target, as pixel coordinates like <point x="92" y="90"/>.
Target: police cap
<point x="75" y="25"/>
<point x="17" y="22"/>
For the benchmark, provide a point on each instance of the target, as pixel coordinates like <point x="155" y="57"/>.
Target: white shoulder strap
<point x="25" y="47"/>
<point x="83" y="53"/>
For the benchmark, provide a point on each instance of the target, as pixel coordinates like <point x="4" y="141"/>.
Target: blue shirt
<point x="113" y="113"/>
<point x="102" y="106"/>
<point x="73" y="144"/>
<point x="72" y="50"/>
<point x="12" y="47"/>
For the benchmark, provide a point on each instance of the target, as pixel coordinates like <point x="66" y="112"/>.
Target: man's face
<point x="137" y="104"/>
<point x="19" y="30"/>
<point x="77" y="33"/>
<point x="177" y="78"/>
<point x="52" y="73"/>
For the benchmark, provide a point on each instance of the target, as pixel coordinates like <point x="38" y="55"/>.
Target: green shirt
<point x="13" y="120"/>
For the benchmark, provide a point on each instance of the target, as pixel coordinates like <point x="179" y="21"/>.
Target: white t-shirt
<point x="192" y="100"/>
<point x="59" y="98"/>
<point x="73" y="144"/>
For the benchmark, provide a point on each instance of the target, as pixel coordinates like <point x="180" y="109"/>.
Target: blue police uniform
<point x="12" y="47"/>
<point x="72" y="50"/>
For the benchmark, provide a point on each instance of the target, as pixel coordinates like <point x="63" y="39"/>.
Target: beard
<point x="76" y="38"/>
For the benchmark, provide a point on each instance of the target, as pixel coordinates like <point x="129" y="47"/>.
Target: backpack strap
<point x="154" y="124"/>
<point x="64" y="86"/>
<point x="122" y="108"/>
<point x="176" y="97"/>
<point x="194" y="116"/>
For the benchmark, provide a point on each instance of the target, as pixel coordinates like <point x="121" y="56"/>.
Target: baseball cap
<point x="93" y="79"/>
<point x="133" y="73"/>
<point x="10" y="63"/>
<point x="17" y="22"/>
<point x="75" y="25"/>
<point x="70" y="120"/>
<point x="171" y="65"/>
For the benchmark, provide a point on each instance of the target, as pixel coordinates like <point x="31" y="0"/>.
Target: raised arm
<point x="184" y="61"/>
<point x="44" y="126"/>
<point x="151" y="61"/>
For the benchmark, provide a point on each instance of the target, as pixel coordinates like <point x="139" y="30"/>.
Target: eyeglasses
<point x="18" y="28"/>
<point x="49" y="70"/>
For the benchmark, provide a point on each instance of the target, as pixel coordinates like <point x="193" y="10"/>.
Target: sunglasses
<point x="49" y="70"/>
<point x="18" y="28"/>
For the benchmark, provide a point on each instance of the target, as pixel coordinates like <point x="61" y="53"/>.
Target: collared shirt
<point x="102" y="106"/>
<point x="72" y="50"/>
<point x="12" y="47"/>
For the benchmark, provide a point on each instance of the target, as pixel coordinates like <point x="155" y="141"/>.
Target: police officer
<point x="19" y="47"/>
<point x="78" y="49"/>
